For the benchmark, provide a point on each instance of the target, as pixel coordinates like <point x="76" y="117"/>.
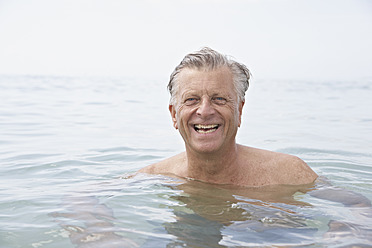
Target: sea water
<point x="70" y="146"/>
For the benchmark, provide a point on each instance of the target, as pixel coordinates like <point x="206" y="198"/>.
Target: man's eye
<point x="190" y="101"/>
<point x="219" y="100"/>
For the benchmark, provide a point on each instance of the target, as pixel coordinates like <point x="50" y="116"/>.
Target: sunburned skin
<point x="265" y="168"/>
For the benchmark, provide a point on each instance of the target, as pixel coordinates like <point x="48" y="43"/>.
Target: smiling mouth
<point x="206" y="128"/>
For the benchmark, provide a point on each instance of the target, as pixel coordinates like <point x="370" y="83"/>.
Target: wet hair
<point x="209" y="59"/>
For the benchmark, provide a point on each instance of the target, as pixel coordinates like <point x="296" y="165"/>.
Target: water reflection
<point x="90" y="223"/>
<point x="157" y="211"/>
<point x="219" y="216"/>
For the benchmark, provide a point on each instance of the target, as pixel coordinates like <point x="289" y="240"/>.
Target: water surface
<point x="68" y="146"/>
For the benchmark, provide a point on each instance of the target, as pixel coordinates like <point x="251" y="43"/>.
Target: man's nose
<point x="205" y="108"/>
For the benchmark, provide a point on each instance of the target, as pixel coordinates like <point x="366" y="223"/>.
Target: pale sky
<point x="290" y="39"/>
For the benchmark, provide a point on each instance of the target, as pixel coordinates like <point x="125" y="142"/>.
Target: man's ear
<point x="241" y="105"/>
<point x="172" y="110"/>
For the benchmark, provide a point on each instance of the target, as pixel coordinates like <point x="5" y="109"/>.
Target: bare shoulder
<point x="173" y="165"/>
<point x="281" y="168"/>
<point x="295" y="170"/>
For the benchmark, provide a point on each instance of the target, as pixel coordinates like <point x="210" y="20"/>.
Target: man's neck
<point x="218" y="167"/>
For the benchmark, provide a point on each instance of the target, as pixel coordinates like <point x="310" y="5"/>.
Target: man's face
<point x="207" y="113"/>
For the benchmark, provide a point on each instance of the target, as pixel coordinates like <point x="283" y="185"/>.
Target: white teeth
<point x="206" y="131"/>
<point x="206" y="126"/>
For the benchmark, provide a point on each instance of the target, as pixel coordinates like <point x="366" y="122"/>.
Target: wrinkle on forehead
<point x="205" y="73"/>
<point x="190" y="81"/>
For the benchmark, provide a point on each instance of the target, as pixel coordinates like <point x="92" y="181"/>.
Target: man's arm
<point x="346" y="197"/>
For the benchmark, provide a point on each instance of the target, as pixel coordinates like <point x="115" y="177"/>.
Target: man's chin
<point x="206" y="148"/>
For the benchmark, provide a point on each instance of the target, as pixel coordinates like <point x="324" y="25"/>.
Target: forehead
<point x="219" y="79"/>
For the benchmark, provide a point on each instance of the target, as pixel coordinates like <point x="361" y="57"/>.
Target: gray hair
<point x="209" y="59"/>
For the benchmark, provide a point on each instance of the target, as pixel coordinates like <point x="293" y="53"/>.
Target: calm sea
<point x="69" y="145"/>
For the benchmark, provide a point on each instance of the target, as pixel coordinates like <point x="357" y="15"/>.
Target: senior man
<point x="207" y="98"/>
